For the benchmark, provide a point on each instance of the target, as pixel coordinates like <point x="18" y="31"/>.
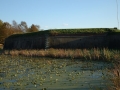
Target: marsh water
<point x="25" y="73"/>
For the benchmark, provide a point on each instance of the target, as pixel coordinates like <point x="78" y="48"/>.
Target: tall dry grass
<point x="1" y="46"/>
<point x="116" y="78"/>
<point x="89" y="54"/>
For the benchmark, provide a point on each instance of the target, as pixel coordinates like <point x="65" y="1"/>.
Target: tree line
<point x="7" y="29"/>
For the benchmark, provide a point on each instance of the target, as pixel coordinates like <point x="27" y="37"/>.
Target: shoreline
<point x="94" y="54"/>
<point x="87" y="54"/>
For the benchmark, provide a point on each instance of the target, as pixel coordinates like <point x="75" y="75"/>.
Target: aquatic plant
<point x="18" y="72"/>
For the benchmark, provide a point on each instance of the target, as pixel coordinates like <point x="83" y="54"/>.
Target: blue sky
<point x="51" y="14"/>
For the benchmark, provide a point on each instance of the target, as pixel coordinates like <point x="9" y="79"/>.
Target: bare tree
<point x="15" y="25"/>
<point x="23" y="26"/>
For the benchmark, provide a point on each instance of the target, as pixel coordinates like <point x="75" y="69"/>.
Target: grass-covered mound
<point x="69" y="31"/>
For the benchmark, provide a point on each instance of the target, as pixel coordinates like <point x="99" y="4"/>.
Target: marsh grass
<point x="88" y="54"/>
<point x="116" y="78"/>
<point x="1" y="46"/>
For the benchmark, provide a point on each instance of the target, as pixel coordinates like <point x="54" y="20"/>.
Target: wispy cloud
<point x="46" y="26"/>
<point x="65" y="24"/>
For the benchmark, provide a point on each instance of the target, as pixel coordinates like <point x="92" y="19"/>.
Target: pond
<point x="25" y="73"/>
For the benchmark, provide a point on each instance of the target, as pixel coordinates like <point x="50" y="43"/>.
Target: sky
<point x="61" y="14"/>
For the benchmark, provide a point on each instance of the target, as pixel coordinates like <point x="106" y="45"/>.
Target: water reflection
<point x="53" y="74"/>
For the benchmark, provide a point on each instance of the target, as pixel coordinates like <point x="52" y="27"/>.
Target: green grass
<point x="69" y="31"/>
<point x="87" y="30"/>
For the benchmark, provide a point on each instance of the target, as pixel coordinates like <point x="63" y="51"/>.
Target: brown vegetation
<point x="7" y="29"/>
<point x="89" y="54"/>
<point x="1" y="46"/>
<point x="116" y="78"/>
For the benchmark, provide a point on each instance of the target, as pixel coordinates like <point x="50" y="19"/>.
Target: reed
<point x="1" y="46"/>
<point x="88" y="54"/>
<point x="116" y="78"/>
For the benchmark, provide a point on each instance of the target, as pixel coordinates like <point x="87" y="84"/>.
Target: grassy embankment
<point x="70" y="31"/>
